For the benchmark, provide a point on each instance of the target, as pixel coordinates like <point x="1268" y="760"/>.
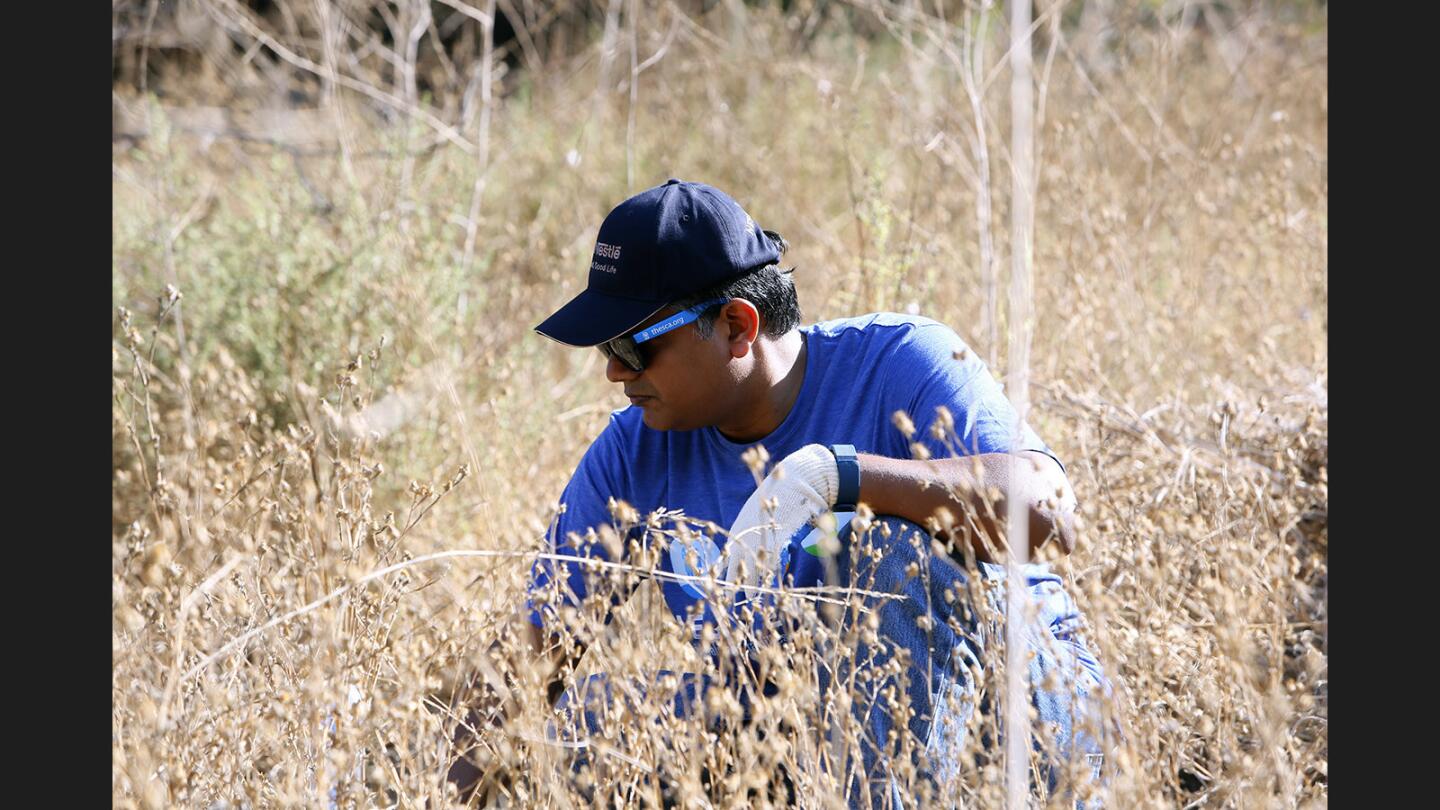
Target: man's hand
<point x="801" y="486"/>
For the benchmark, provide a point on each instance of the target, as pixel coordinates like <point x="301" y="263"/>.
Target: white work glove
<point x="804" y="484"/>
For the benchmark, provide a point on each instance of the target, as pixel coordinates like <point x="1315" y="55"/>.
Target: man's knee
<point x="889" y="526"/>
<point x="885" y="536"/>
<point x="894" y="543"/>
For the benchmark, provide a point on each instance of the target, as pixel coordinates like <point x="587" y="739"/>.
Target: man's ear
<point x="739" y="323"/>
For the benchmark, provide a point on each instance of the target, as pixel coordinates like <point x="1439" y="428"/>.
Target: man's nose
<point x="616" y="371"/>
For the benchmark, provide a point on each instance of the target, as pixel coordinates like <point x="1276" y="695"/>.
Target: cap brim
<point x="591" y="318"/>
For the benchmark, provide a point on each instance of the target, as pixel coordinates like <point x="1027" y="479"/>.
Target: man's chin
<point x="653" y="420"/>
<point x="658" y="420"/>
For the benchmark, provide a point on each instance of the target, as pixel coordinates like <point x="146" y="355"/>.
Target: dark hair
<point x="769" y="288"/>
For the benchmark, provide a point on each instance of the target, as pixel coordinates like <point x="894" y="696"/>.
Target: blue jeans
<point x="1066" y="682"/>
<point x="941" y="627"/>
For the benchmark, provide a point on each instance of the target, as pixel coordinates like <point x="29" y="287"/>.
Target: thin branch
<point x="486" y="70"/>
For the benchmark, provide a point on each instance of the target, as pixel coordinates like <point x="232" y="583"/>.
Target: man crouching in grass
<point x="701" y="327"/>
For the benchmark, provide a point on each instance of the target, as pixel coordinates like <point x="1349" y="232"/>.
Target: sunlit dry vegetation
<point x="337" y="444"/>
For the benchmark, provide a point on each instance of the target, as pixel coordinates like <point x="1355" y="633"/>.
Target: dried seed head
<point x="623" y="512"/>
<point x="756" y="458"/>
<point x="903" y="422"/>
<point x="944" y="418"/>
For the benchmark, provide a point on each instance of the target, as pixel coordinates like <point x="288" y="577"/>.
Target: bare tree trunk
<point x="417" y="20"/>
<point x="1022" y="183"/>
<point x="1093" y="36"/>
<point x="145" y="46"/>
<point x="600" y="99"/>
<point x="634" y="83"/>
<point x="607" y="49"/>
<point x="486" y="68"/>
<point x="738" y="22"/>
<point x="972" y="76"/>
<point x="329" y="20"/>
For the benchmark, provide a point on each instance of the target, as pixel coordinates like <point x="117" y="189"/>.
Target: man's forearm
<point x="973" y="491"/>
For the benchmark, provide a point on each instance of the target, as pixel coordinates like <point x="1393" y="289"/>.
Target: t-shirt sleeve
<point x="574" y="533"/>
<point x="941" y="372"/>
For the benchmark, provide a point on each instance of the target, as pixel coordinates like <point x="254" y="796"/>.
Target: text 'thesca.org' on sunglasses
<point x="627" y="347"/>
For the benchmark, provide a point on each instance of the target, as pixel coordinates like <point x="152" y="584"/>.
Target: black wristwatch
<point x="849" y="467"/>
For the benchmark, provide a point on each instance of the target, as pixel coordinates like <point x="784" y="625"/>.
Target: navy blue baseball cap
<point x="664" y="244"/>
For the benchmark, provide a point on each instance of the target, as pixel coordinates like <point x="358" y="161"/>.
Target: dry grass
<point x="330" y="396"/>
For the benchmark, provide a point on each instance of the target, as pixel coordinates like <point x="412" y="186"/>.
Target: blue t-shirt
<point x="858" y="373"/>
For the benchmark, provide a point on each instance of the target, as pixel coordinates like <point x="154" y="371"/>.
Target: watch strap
<point x="848" y="466"/>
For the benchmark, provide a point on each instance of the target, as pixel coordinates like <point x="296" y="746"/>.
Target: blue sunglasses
<point x="627" y="347"/>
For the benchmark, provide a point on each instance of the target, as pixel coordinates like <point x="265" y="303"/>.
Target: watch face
<point x="823" y="539"/>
